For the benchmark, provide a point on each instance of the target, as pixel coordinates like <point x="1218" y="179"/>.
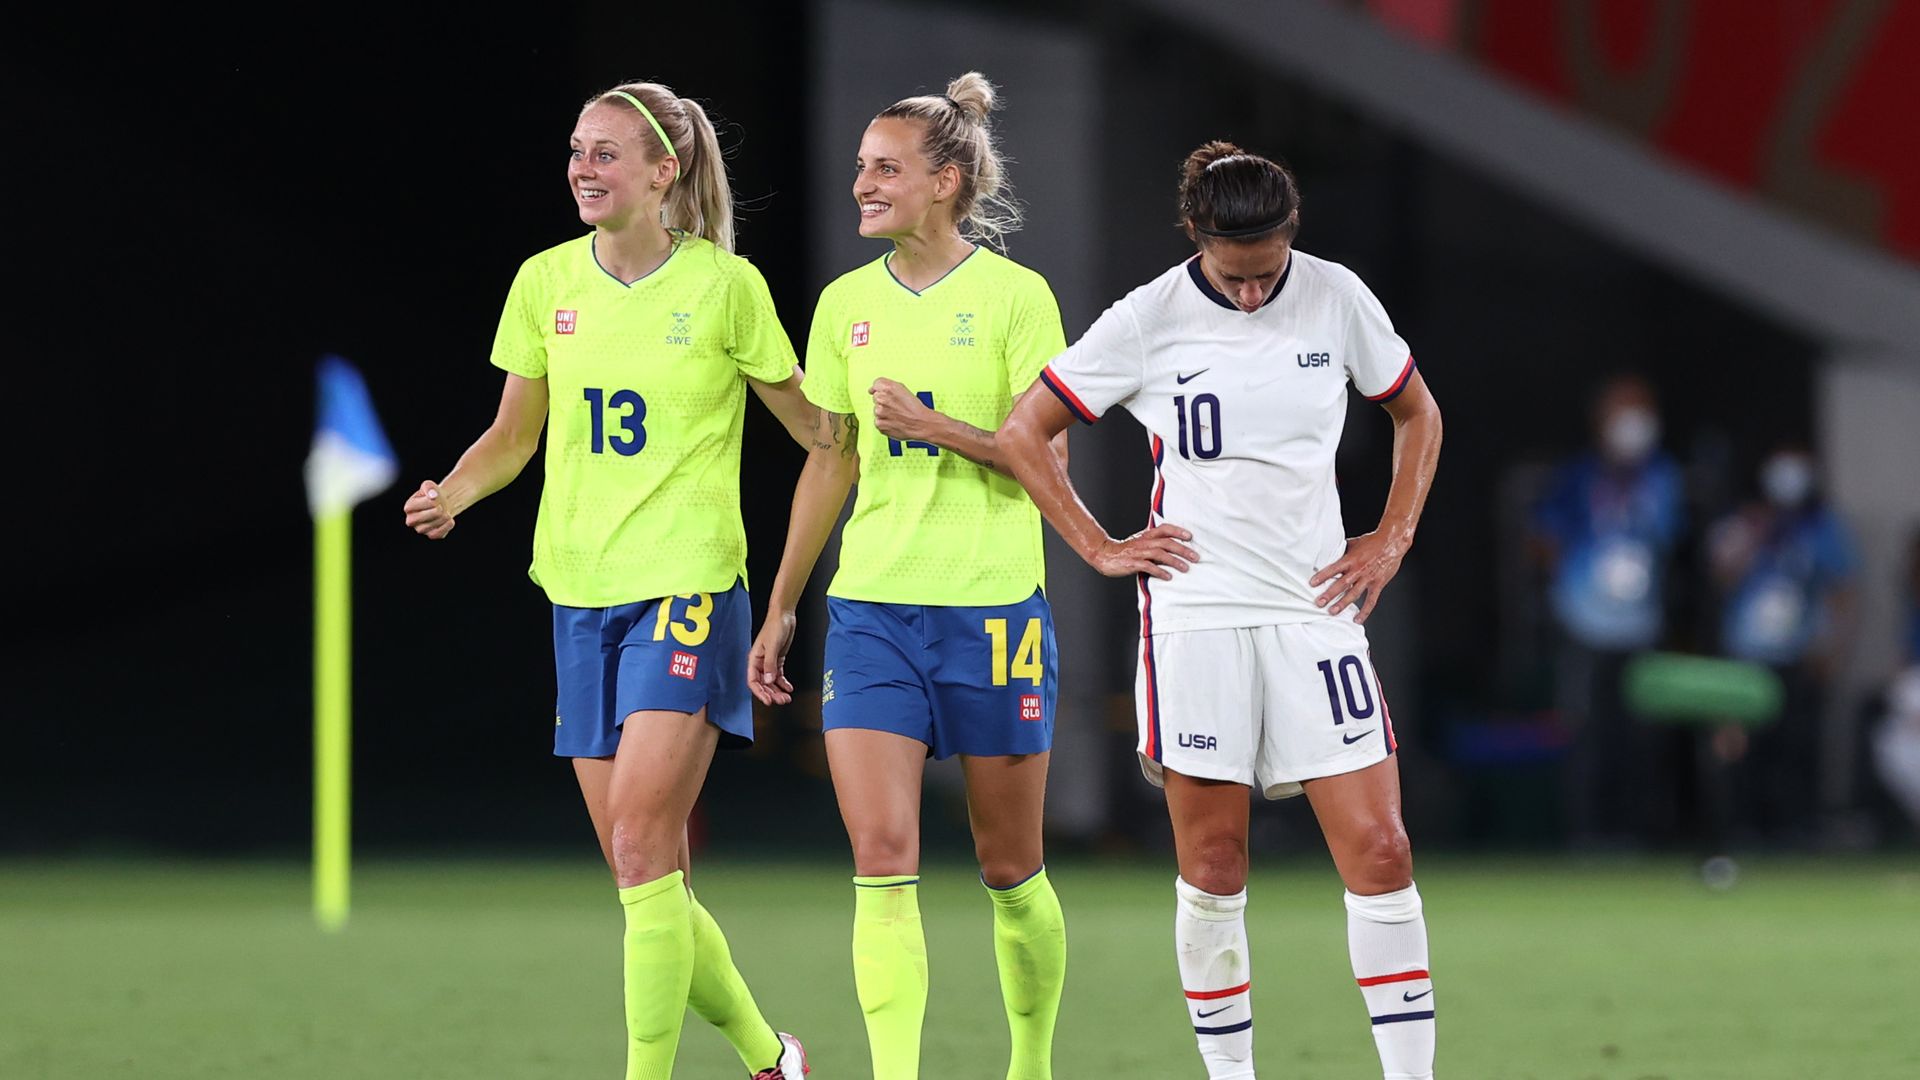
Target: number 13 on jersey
<point x="629" y="412"/>
<point x="1026" y="658"/>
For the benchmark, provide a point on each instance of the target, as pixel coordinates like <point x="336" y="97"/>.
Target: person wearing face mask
<point x="1784" y="565"/>
<point x="1605" y="533"/>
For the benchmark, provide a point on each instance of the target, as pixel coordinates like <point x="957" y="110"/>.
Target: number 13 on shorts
<point x="1026" y="658"/>
<point x="697" y="613"/>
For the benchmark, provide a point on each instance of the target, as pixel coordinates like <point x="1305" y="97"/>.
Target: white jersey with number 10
<point x="1244" y="411"/>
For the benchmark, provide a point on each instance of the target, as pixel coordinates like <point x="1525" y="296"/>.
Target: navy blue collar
<point x="1207" y="290"/>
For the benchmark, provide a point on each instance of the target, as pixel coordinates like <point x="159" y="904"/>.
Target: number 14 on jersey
<point x="1026" y="658"/>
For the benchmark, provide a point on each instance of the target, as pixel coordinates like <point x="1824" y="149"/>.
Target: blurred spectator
<point x="1896" y="744"/>
<point x="1785" y="566"/>
<point x="1605" y="533"/>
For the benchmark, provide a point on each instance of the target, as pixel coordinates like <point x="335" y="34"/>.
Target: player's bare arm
<point x="833" y="463"/>
<point x="1372" y="560"/>
<point x="490" y="464"/>
<point x="788" y="405"/>
<point x="1025" y="441"/>
<point x="898" y="414"/>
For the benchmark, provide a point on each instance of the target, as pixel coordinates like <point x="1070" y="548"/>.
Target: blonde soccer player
<point x="939" y="638"/>
<point x="633" y="345"/>
<point x="1254" y="672"/>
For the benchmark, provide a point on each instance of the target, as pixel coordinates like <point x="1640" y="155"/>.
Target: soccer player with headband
<point x="634" y="345"/>
<point x="1254" y="670"/>
<point x="939" y="638"/>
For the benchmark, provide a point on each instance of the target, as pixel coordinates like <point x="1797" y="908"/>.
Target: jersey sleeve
<point x="755" y="339"/>
<point x="518" y="345"/>
<point x="1034" y="337"/>
<point x="1378" y="360"/>
<point x="826" y="381"/>
<point x="1103" y="369"/>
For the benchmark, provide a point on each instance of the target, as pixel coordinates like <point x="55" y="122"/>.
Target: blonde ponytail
<point x="701" y="201"/>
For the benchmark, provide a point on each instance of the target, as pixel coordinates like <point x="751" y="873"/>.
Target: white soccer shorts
<point x="1265" y="706"/>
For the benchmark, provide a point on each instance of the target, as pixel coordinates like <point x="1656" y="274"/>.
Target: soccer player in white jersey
<point x="1254" y="669"/>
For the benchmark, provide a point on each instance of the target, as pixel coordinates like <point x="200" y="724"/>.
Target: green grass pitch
<point x="1547" y="970"/>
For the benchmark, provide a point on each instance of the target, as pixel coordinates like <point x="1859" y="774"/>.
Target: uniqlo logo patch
<point x="1029" y="706"/>
<point x="685" y="664"/>
<point x="563" y="321"/>
<point x="861" y="331"/>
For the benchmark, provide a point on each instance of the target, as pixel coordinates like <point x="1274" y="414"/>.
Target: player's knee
<point x="1384" y="862"/>
<point x="1218" y="865"/>
<point x="1004" y="870"/>
<point x="1009" y="856"/>
<point x="643" y="850"/>
<point x="883" y="851"/>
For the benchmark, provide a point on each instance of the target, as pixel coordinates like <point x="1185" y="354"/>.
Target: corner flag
<point x="349" y="463"/>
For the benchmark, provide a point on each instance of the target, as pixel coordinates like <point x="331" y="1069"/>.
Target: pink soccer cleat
<point x="792" y="1064"/>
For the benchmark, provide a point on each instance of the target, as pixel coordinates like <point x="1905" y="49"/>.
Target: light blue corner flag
<point x="350" y="460"/>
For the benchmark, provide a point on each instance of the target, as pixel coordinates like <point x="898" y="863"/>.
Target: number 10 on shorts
<point x="1026" y="659"/>
<point x="1353" y="674"/>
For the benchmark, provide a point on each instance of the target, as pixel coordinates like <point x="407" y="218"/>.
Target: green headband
<point x="651" y="122"/>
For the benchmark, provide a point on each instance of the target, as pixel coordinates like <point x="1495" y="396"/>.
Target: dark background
<point x="195" y="219"/>
<point x="204" y="221"/>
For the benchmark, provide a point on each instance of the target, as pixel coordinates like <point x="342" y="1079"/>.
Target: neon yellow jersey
<point x="929" y="526"/>
<point x="646" y="393"/>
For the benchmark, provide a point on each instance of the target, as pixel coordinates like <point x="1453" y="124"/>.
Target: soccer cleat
<point x="792" y="1064"/>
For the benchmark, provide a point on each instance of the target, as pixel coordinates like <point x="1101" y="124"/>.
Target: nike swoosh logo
<point x="1351" y="739"/>
<point x="1415" y="997"/>
<point x="1224" y="1008"/>
<point x="1185" y="379"/>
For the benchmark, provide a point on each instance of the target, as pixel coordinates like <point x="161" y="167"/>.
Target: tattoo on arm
<point x="849" y="445"/>
<point x="826" y="428"/>
<point x="983" y="436"/>
<point x="837" y="430"/>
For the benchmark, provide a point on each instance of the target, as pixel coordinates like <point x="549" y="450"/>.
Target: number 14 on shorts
<point x="1026" y="658"/>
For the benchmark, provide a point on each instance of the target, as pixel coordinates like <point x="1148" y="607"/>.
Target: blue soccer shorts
<point x="677" y="654"/>
<point x="981" y="681"/>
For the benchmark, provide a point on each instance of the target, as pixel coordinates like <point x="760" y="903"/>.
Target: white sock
<point x="1210" y="936"/>
<point x="1387" y="939"/>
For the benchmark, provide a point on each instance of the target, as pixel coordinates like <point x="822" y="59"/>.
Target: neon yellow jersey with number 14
<point x="646" y="391"/>
<point x="929" y="526"/>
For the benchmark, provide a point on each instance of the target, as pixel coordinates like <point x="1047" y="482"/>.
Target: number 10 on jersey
<point x="1026" y="658"/>
<point x="1204" y="419"/>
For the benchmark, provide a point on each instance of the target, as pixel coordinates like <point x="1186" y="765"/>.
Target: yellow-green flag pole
<point x="332" y="716"/>
<point x="350" y="461"/>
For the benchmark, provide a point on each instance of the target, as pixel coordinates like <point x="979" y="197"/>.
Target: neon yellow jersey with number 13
<point x="929" y="526"/>
<point x="646" y="393"/>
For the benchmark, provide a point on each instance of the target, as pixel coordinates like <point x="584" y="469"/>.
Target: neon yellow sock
<point x="890" y="971"/>
<point x="720" y="996"/>
<point x="659" y="967"/>
<point x="1030" y="944"/>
